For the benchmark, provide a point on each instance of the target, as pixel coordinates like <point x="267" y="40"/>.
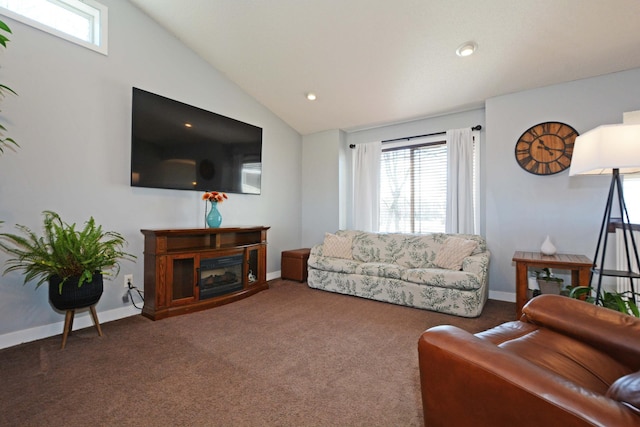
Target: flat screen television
<point x="179" y="146"/>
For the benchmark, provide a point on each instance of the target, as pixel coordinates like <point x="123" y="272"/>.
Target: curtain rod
<point x="409" y="138"/>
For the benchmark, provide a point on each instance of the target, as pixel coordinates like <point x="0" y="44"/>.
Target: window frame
<point x="437" y="140"/>
<point x="100" y="30"/>
<point x="414" y="144"/>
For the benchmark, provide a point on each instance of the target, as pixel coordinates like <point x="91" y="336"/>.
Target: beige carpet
<point x="288" y="356"/>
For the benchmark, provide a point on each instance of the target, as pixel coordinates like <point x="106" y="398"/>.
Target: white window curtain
<point x="462" y="171"/>
<point x="366" y="186"/>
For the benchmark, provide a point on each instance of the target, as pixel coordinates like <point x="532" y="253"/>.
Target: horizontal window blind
<point x="413" y="188"/>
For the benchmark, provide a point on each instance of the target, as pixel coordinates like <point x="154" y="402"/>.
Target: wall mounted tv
<point x="178" y="146"/>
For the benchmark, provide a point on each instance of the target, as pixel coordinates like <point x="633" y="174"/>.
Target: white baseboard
<point x="502" y="296"/>
<point x="80" y="321"/>
<point x="83" y="320"/>
<point x="273" y="275"/>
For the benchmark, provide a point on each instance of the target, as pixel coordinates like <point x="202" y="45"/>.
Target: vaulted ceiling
<point x="373" y="62"/>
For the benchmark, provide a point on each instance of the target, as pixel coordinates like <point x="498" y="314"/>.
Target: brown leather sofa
<point x="564" y="363"/>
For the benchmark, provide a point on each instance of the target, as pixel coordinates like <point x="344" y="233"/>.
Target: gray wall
<point x="518" y="209"/>
<point x="414" y="128"/>
<point x="521" y="208"/>
<point x="323" y="185"/>
<point x="72" y="119"/>
<point x="327" y="197"/>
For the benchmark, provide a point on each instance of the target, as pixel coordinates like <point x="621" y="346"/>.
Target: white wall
<point x="72" y="119"/>
<point x="523" y="208"/>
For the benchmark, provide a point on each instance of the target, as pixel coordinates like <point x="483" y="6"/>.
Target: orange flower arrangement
<point x="214" y="196"/>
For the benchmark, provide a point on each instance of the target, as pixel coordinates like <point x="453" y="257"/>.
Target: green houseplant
<point x="65" y="254"/>
<point x="618" y="301"/>
<point x="548" y="283"/>
<point x="5" y="141"/>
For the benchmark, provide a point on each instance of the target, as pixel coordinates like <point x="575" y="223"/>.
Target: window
<point x="251" y="177"/>
<point x="631" y="189"/>
<point x="413" y="186"/>
<point x="81" y="22"/>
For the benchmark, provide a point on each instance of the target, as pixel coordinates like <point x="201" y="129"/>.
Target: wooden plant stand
<point x="68" y="323"/>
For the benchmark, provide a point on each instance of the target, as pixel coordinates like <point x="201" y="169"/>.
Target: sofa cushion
<point x="380" y="269"/>
<point x="627" y="390"/>
<point x="337" y="246"/>
<point x="453" y="251"/>
<point x="443" y="279"/>
<point x="336" y="265"/>
<point x="405" y="250"/>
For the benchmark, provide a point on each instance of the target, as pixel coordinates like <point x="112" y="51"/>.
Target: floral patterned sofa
<point x="439" y="272"/>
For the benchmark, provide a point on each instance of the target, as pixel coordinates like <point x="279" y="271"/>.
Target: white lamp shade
<point x="605" y="148"/>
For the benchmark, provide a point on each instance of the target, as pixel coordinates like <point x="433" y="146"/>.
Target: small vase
<point x="214" y="219"/>
<point x="547" y="247"/>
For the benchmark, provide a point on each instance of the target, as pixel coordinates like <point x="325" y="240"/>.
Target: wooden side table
<point x="579" y="265"/>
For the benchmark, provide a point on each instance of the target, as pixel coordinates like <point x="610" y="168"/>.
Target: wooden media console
<point x="188" y="270"/>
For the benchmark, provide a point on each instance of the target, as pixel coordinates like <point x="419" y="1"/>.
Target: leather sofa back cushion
<point x="606" y="334"/>
<point x="627" y="390"/>
<point x="569" y="358"/>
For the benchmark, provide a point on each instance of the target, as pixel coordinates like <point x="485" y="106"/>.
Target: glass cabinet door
<point x="255" y="273"/>
<point x="252" y="267"/>
<point x="182" y="279"/>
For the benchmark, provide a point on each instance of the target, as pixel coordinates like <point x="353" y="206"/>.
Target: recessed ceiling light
<point x="466" y="49"/>
<point x="188" y="125"/>
<point x="311" y="96"/>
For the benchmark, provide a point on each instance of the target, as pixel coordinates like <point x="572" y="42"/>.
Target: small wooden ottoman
<point x="293" y="264"/>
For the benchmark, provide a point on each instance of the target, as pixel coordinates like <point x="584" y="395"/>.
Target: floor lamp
<point x="615" y="150"/>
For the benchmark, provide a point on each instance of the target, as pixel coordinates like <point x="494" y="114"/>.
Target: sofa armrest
<point x="316" y="250"/>
<point x="477" y="264"/>
<point x="466" y="380"/>
<point x="615" y="333"/>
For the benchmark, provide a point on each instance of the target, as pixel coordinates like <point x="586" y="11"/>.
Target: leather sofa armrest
<point x="615" y="333"/>
<point x="467" y="380"/>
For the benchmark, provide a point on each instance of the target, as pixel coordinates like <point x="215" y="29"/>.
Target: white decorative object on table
<point x="547" y="247"/>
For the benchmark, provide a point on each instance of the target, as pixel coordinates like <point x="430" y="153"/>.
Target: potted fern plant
<point x="73" y="260"/>
<point x="624" y="302"/>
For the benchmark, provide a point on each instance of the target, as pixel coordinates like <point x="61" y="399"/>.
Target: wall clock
<point x="546" y="148"/>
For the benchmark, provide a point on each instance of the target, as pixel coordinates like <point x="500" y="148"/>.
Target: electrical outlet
<point x="128" y="278"/>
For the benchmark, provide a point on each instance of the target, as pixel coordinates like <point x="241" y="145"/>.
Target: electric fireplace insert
<point x="220" y="276"/>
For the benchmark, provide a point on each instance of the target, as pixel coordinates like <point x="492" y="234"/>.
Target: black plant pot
<point x="72" y="296"/>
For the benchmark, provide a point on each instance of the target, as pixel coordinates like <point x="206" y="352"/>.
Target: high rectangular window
<point x="81" y="22"/>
